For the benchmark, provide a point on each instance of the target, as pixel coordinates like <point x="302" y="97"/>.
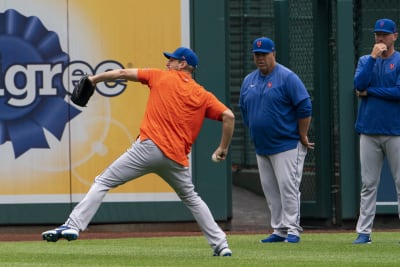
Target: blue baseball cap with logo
<point x="183" y="53"/>
<point x="385" y="25"/>
<point x="263" y="45"/>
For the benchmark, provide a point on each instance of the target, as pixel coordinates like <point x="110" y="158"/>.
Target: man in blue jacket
<point x="377" y="84"/>
<point x="276" y="107"/>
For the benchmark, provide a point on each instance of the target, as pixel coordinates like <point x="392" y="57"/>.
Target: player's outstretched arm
<point x="126" y="74"/>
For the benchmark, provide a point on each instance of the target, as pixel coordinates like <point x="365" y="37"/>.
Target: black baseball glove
<point x="83" y="90"/>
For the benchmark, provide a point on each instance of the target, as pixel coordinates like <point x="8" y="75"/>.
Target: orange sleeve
<point x="215" y="108"/>
<point x="145" y="75"/>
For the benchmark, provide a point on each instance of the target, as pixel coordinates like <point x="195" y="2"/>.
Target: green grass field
<point x="315" y="249"/>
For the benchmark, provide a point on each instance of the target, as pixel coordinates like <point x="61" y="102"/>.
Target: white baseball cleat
<point x="223" y="252"/>
<point x="60" y="232"/>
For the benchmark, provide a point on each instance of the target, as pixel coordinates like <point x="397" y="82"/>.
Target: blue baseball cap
<point x="183" y="53"/>
<point x="263" y="45"/>
<point x="385" y="25"/>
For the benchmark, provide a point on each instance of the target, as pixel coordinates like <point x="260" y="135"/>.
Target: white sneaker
<point x="60" y="232"/>
<point x="223" y="252"/>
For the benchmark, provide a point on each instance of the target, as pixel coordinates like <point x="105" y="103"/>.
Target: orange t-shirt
<point x="175" y="111"/>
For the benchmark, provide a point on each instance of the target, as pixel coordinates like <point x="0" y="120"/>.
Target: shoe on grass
<point x="363" y="239"/>
<point x="60" y="232"/>
<point x="273" y="238"/>
<point x="293" y="238"/>
<point x="225" y="252"/>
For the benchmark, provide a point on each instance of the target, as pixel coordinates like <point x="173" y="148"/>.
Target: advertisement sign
<point x="51" y="150"/>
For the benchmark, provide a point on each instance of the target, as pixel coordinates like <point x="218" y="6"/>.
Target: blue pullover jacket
<point x="271" y="106"/>
<point x="379" y="111"/>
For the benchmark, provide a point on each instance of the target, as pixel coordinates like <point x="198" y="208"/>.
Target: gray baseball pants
<point x="373" y="149"/>
<point x="280" y="176"/>
<point x="142" y="158"/>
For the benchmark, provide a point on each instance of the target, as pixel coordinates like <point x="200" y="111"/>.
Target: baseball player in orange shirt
<point x="176" y="109"/>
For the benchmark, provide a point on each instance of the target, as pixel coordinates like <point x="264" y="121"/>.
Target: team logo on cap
<point x="259" y="43"/>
